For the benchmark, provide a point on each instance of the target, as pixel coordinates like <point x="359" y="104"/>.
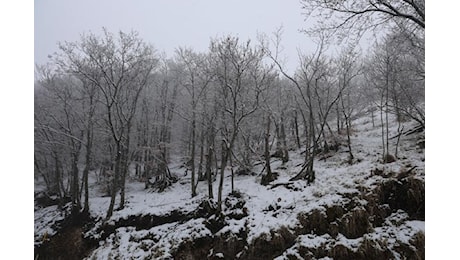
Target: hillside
<point x="366" y="210"/>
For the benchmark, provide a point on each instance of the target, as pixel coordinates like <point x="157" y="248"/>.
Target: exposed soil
<point x="144" y="222"/>
<point x="69" y="242"/>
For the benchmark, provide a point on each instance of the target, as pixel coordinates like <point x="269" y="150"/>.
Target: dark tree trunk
<point x="296" y="127"/>
<point x="124" y="172"/>
<point x="307" y="139"/>
<point x="86" y="171"/>
<point x="233" y="173"/>
<point x="192" y="165"/>
<point x="75" y="195"/>
<point x="201" y="177"/>
<point x="350" y="153"/>
<point x="400" y="132"/>
<point x="338" y="118"/>
<point x="347" y="118"/>
<point x="88" y="155"/>
<point x="115" y="180"/>
<point x="268" y="177"/>
<point x="383" y="131"/>
<point x="75" y="187"/>
<point x="223" y="164"/>
<point x="209" y="157"/>
<point x="193" y="142"/>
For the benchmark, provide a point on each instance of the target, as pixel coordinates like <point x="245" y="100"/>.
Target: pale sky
<point x="168" y="24"/>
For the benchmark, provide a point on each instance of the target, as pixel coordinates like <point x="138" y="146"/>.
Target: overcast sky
<point x="168" y="24"/>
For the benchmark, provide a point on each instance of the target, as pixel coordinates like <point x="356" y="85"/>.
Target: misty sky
<point x="168" y="24"/>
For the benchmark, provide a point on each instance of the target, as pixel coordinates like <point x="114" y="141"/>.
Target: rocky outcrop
<point x="354" y="219"/>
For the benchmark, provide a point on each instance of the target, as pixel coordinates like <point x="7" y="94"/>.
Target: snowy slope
<point x="267" y="209"/>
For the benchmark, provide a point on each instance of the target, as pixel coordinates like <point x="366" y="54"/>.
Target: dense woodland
<point x="112" y="105"/>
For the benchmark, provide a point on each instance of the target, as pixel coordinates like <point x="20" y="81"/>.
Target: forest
<point x="111" y="111"/>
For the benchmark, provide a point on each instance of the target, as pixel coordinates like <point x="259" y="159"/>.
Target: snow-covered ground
<point x="267" y="208"/>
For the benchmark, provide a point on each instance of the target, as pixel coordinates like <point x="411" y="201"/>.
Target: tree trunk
<point x="200" y="164"/>
<point x="386" y="127"/>
<point x="268" y="177"/>
<point x="296" y="126"/>
<point x="347" y="124"/>
<point x="192" y="165"/>
<point x="383" y="130"/>
<point x="387" y="83"/>
<point x="311" y="173"/>
<point x="338" y="118"/>
<point x="350" y="153"/>
<point x="223" y="165"/>
<point x="314" y="143"/>
<point x="216" y="162"/>
<point x="125" y="165"/>
<point x="400" y="132"/>
<point x="75" y="187"/>
<point x="88" y="161"/>
<point x="76" y="205"/>
<point x="86" y="171"/>
<point x="115" y="181"/>
<point x="124" y="172"/>
<point x="307" y="140"/>
<point x="233" y="173"/>
<point x="208" y="169"/>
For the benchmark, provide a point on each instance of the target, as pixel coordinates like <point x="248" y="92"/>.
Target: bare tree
<point x="165" y="90"/>
<point x="61" y="123"/>
<point x="348" y="70"/>
<point x="403" y="20"/>
<point x="89" y="106"/>
<point x="407" y="92"/>
<point x="352" y="18"/>
<point x="125" y="64"/>
<point x="209" y="118"/>
<point x="48" y="148"/>
<point x="196" y="83"/>
<point x="242" y="77"/>
<point x="381" y="72"/>
<point x="280" y="110"/>
<point x="313" y="82"/>
<point x="268" y="177"/>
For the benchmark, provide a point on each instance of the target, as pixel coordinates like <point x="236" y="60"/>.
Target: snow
<point x="45" y="221"/>
<point x="312" y="241"/>
<point x="268" y="208"/>
<point x="157" y="242"/>
<point x="142" y="202"/>
<point x="353" y="244"/>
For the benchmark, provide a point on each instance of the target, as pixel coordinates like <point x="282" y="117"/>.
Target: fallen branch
<point x="287" y="185"/>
